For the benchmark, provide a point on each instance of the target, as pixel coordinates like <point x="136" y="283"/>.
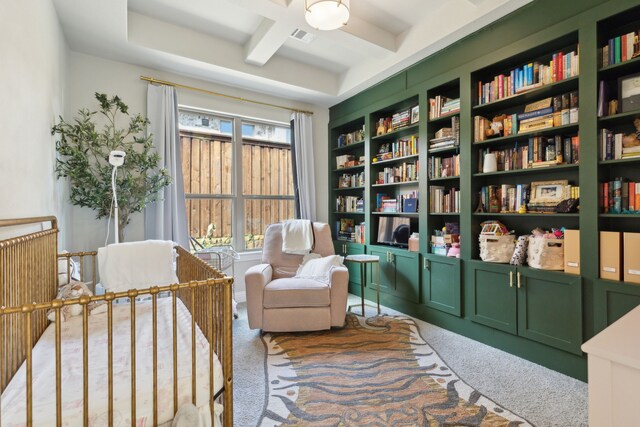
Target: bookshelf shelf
<point x="411" y="214"/>
<point x="445" y="150"/>
<point x="398" y="133"/>
<point x="630" y="160"/>
<point x="564" y="129"/>
<point x="444" y="118"/>
<point x="444" y="213"/>
<point x="547" y="90"/>
<point x="347" y="148"/>
<point x="620" y="69"/>
<point x="350" y="168"/>
<point x="348" y="213"/>
<point x="559" y="168"/>
<point x="621" y="216"/>
<point x="446" y="178"/>
<point x="392" y="184"/>
<point x="348" y="188"/>
<point x="619" y="119"/>
<point x="528" y="214"/>
<point x="394" y="160"/>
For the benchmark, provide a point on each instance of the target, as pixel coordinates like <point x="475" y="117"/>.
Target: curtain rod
<point x="208" y="92"/>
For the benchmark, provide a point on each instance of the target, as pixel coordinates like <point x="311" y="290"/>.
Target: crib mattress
<point x="13" y="403"/>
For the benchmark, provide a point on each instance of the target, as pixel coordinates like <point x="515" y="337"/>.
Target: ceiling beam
<point x="266" y="41"/>
<point x="370" y="33"/>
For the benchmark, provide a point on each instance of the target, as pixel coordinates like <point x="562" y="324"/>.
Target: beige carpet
<point x="377" y="374"/>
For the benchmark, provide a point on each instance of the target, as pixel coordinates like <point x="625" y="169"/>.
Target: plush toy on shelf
<point x="632" y="139"/>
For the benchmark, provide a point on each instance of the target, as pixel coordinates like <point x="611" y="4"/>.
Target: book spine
<point x="632" y="196"/>
<point x="617" y="50"/>
<point x="536" y="113"/>
<point x="612" y="52"/>
<point x="605" y="197"/>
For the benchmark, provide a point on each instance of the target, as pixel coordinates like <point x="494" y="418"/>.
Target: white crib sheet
<point x="14" y="397"/>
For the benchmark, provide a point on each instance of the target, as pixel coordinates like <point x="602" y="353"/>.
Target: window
<point x="234" y="186"/>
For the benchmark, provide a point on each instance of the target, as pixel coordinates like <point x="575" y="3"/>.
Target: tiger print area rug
<point x="366" y="375"/>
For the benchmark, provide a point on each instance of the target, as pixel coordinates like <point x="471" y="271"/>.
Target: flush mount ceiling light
<point x="326" y="14"/>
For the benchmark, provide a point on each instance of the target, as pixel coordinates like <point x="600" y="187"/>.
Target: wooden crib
<point x="28" y="288"/>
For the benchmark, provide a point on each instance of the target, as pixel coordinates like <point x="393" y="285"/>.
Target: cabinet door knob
<point x="511" y="279"/>
<point x="518" y="280"/>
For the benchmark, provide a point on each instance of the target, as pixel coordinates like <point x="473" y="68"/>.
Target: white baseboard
<point x="241" y="297"/>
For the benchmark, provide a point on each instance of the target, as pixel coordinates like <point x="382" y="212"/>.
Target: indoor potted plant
<point x="84" y="148"/>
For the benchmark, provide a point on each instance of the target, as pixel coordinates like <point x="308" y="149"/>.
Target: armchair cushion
<point x="294" y="292"/>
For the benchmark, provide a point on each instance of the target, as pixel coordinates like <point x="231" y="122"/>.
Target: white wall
<point x="88" y="74"/>
<point x="33" y="56"/>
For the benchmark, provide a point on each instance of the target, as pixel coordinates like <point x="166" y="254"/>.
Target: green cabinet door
<point x="441" y="283"/>
<point x="613" y="300"/>
<point x="407" y="274"/>
<point x="387" y="269"/>
<point x="347" y="248"/>
<point x="355" y="275"/>
<point x="550" y="308"/>
<point x="492" y="295"/>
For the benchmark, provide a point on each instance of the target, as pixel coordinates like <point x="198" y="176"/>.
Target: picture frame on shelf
<point x="548" y="192"/>
<point x="415" y="114"/>
<point x="629" y="92"/>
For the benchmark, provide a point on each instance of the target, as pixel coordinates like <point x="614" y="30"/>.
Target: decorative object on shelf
<point x="545" y="195"/>
<point x="632" y="139"/>
<point x="520" y="252"/>
<point x="569" y="205"/>
<point x="326" y="14"/>
<point x="629" y="91"/>
<point x="84" y="159"/>
<point x="496" y="127"/>
<point x="545" y="253"/>
<point x="414" y="242"/>
<point x="490" y="163"/>
<point x="415" y="114"/>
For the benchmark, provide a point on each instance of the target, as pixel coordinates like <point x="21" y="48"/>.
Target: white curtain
<point x="303" y="166"/>
<point x="167" y="218"/>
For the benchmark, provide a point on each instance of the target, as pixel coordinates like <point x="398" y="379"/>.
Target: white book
<point x="617" y="146"/>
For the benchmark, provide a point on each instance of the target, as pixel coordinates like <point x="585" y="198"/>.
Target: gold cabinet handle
<point x="425" y="264"/>
<point x="392" y="257"/>
<point x="511" y="279"/>
<point x="518" y="280"/>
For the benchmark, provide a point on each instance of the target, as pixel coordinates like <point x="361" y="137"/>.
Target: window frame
<point x="237" y="197"/>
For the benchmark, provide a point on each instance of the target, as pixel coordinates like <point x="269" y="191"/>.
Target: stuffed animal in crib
<point x="633" y="139"/>
<point x="73" y="289"/>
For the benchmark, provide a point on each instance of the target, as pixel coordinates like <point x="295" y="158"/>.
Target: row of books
<point x="504" y="198"/>
<point x="539" y="152"/>
<point x="530" y="76"/>
<point x="620" y="196"/>
<point x="349" y="204"/>
<point x="442" y="167"/>
<point x="444" y="200"/>
<point x="405" y="172"/>
<point x="400" y="119"/>
<point x="547" y="113"/>
<point x="447" y="137"/>
<point x="407" y="202"/>
<point x="400" y="148"/>
<point x="611" y="147"/>
<point x="348" y="230"/>
<point x="442" y="106"/>
<point x="351" y="137"/>
<point x="351" y="180"/>
<point x="620" y="49"/>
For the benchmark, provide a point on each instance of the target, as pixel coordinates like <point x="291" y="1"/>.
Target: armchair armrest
<point x="339" y="282"/>
<point x="256" y="278"/>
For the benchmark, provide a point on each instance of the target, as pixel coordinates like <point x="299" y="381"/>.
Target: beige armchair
<point x="279" y="302"/>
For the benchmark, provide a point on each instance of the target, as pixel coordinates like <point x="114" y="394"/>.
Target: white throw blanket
<point x="125" y="266"/>
<point x="297" y="236"/>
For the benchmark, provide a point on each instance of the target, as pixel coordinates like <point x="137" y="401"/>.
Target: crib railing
<point x="28" y="285"/>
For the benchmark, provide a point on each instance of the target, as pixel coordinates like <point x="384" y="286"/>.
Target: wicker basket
<point x="497" y="249"/>
<point x="545" y="254"/>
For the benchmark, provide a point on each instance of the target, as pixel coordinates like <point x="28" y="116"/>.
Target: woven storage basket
<point x="497" y="248"/>
<point x="545" y="254"/>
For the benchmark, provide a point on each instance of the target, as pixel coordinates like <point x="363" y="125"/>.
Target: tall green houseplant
<point x="84" y="146"/>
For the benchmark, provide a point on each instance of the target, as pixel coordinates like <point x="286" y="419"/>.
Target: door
<point x="441" y="283"/>
<point x="550" y="308"/>
<point x="387" y="269"/>
<point x="492" y="295"/>
<point x="407" y="274"/>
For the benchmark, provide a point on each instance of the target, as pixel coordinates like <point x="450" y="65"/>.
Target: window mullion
<point x="238" y="205"/>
